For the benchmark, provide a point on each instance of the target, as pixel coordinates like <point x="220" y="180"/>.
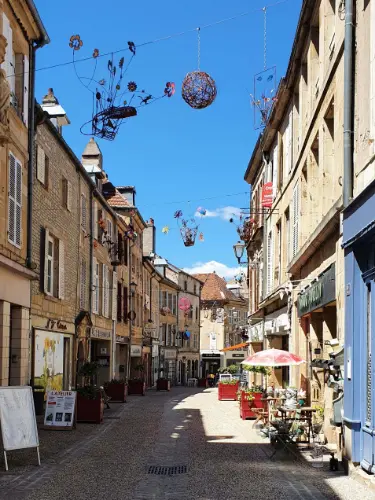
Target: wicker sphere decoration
<point x="198" y="89"/>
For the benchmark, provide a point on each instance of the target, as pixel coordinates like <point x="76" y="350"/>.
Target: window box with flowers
<point x="250" y="401"/>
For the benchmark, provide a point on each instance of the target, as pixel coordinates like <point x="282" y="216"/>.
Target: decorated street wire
<point x="114" y="100"/>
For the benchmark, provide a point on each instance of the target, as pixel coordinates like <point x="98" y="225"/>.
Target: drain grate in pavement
<point x="112" y="417"/>
<point x="167" y="471"/>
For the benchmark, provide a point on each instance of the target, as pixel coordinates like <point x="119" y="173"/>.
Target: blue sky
<point x="171" y="152"/>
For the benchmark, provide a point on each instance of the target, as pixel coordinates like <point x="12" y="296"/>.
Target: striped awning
<point x="234" y="347"/>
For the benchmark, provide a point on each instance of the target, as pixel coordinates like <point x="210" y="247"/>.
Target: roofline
<point x="45" y="39"/>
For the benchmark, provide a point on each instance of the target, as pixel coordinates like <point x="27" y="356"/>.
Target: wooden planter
<point x="90" y="410"/>
<point x="136" y="387"/>
<point x="163" y="384"/>
<point x="246" y="406"/>
<point x="202" y="382"/>
<point x="117" y="392"/>
<point x="228" y="392"/>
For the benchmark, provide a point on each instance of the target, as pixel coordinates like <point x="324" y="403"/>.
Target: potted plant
<point x="117" y="390"/>
<point x="90" y="404"/>
<point x="163" y="384"/>
<point x="228" y="390"/>
<point x="137" y="385"/>
<point x="251" y="399"/>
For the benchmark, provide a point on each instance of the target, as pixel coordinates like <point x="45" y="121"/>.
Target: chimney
<point x="56" y="113"/>
<point x="149" y="236"/>
<point x="128" y="192"/>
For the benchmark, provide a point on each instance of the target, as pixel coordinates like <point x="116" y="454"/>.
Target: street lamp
<point x="239" y="249"/>
<point x="133" y="287"/>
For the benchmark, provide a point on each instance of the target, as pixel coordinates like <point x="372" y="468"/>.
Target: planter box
<point x="90" y="410"/>
<point x="202" y="382"/>
<point x="136" y="387"/>
<point x="163" y="385"/>
<point x="117" y="392"/>
<point x="228" y="392"/>
<point x="246" y="405"/>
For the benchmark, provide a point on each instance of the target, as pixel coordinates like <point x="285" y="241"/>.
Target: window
<point x="185" y="286"/>
<point x="120" y="248"/>
<point x="196" y="313"/>
<point x="174" y="305"/>
<point x="275" y="167"/>
<point x="105" y="289"/>
<point x="14" y="201"/>
<point x="42" y="167"/>
<point x="54" y="266"/>
<point x="125" y="304"/>
<point x="230" y="316"/>
<point x="66" y="194"/>
<point x="195" y="289"/>
<point x="95" y="287"/>
<point x="83" y="212"/>
<point x="83" y="285"/>
<point x="295" y="228"/>
<point x="125" y="243"/>
<point x="170" y="302"/>
<point x="109" y="230"/>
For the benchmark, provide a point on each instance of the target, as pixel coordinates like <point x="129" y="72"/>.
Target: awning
<point x="234" y="347"/>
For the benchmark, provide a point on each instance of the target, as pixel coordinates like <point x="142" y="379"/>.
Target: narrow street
<point x="213" y="455"/>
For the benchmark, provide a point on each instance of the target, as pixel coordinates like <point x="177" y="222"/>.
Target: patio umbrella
<point x="273" y="358"/>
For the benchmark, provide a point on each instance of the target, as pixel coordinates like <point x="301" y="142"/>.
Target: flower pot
<point x="227" y="392"/>
<point x="90" y="410"/>
<point x="162" y="384"/>
<point x="117" y="391"/>
<point x="246" y="406"/>
<point x="202" y="382"/>
<point x="136" y="387"/>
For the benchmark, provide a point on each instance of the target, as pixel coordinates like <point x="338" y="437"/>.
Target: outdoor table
<point x="306" y="415"/>
<point x="269" y="401"/>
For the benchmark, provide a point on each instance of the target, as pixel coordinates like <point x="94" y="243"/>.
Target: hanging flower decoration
<point x="178" y="214"/>
<point x="165" y="230"/>
<point x="132" y="86"/>
<point x="188" y="230"/>
<point x="201" y="211"/>
<point x="184" y="304"/>
<point x="170" y="89"/>
<point x="75" y="42"/>
<point x="95" y="54"/>
<point x="201" y="237"/>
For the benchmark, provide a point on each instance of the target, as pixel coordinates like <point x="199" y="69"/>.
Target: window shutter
<point x="69" y="195"/>
<point x="290" y="145"/>
<point x="46" y="238"/>
<point x="295" y="219"/>
<point x="105" y="288"/>
<point x="41" y="165"/>
<point x="8" y="61"/>
<point x="12" y="198"/>
<point x="26" y="66"/>
<point x="94" y="286"/>
<point x="95" y="209"/>
<point x="61" y="270"/>
<point x="18" y="203"/>
<point x="275" y="169"/>
<point x="125" y="304"/>
<point x="119" y="302"/>
<point x="269" y="263"/>
<point x="109" y="230"/>
<point x="114" y="296"/>
<point x="104" y="225"/>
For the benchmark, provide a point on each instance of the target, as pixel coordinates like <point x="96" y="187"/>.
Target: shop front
<point x="100" y="353"/>
<point x="211" y="362"/>
<point x="168" y="364"/>
<point x="53" y="356"/>
<point x="121" y="360"/>
<point x="359" y="383"/>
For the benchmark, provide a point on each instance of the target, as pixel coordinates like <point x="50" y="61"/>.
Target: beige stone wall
<point x="192" y="324"/>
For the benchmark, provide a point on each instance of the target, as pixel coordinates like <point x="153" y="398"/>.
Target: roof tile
<point x="215" y="288"/>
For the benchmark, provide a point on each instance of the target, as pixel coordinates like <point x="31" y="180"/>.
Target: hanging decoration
<point x="201" y="211"/>
<point x="264" y="95"/>
<point x="184" y="304"/>
<point x="188" y="228"/>
<point x="198" y="88"/>
<point x="165" y="230"/>
<point x="114" y="101"/>
<point x="201" y="237"/>
<point x="246" y="226"/>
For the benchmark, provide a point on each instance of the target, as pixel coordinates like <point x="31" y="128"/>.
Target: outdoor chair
<point x="287" y="432"/>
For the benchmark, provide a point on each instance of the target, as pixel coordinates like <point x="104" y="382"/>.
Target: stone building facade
<point x="21" y="32"/>
<point x="300" y="154"/>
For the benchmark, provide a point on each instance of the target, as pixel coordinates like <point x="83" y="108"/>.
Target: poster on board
<point x="49" y="360"/>
<point x="60" y="409"/>
<point x="18" y="422"/>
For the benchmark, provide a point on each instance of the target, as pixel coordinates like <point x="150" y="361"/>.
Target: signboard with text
<point x="60" y="409"/>
<point x="267" y="195"/>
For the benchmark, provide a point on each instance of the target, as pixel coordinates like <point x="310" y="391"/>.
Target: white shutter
<point x="94" y="289"/>
<point x="26" y="67"/>
<point x="290" y="145"/>
<point x="114" y="296"/>
<point x="275" y="169"/>
<point x="46" y="238"/>
<point x="269" y="263"/>
<point x="95" y="209"/>
<point x="69" y="195"/>
<point x="41" y="165"/>
<point x="18" y="204"/>
<point x="8" y="60"/>
<point x="109" y="230"/>
<point x="295" y="219"/>
<point x="61" y="270"/>
<point x="107" y="292"/>
<point x="12" y="199"/>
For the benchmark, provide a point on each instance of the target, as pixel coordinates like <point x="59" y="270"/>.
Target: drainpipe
<point x="348" y="104"/>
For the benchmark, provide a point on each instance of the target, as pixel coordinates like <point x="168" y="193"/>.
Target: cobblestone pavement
<point x="177" y="446"/>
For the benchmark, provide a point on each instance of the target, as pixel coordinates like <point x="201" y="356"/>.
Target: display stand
<point x="61" y="411"/>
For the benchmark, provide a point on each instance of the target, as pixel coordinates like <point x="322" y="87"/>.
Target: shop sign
<point x="100" y="334"/>
<point x="51" y="324"/>
<point x="318" y="294"/>
<point x="238" y="355"/>
<point x="60" y="408"/>
<point x="169" y="354"/>
<point x="267" y="195"/>
<point x="136" y="351"/>
<point x="121" y="340"/>
<point x="212" y="355"/>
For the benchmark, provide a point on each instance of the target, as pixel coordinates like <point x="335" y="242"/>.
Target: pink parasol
<point x="273" y="358"/>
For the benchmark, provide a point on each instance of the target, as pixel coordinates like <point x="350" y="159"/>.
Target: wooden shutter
<point x="95" y="209"/>
<point x="269" y="262"/>
<point x="105" y="288"/>
<point x="41" y="165"/>
<point x="94" y="286"/>
<point x="114" y="296"/>
<point x="61" y="270"/>
<point x="109" y="230"/>
<point x="125" y="304"/>
<point x="295" y="219"/>
<point x="25" y="110"/>
<point x="69" y="195"/>
<point x="14" y="201"/>
<point x="46" y="238"/>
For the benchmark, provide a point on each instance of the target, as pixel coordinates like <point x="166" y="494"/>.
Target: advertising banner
<point x="267" y="195"/>
<point x="60" y="408"/>
<point x="49" y="360"/>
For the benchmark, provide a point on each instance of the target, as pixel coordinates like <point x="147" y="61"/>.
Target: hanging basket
<point x="198" y="89"/>
<point x="188" y="235"/>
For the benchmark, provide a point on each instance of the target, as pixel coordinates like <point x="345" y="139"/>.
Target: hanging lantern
<point x="198" y="89"/>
